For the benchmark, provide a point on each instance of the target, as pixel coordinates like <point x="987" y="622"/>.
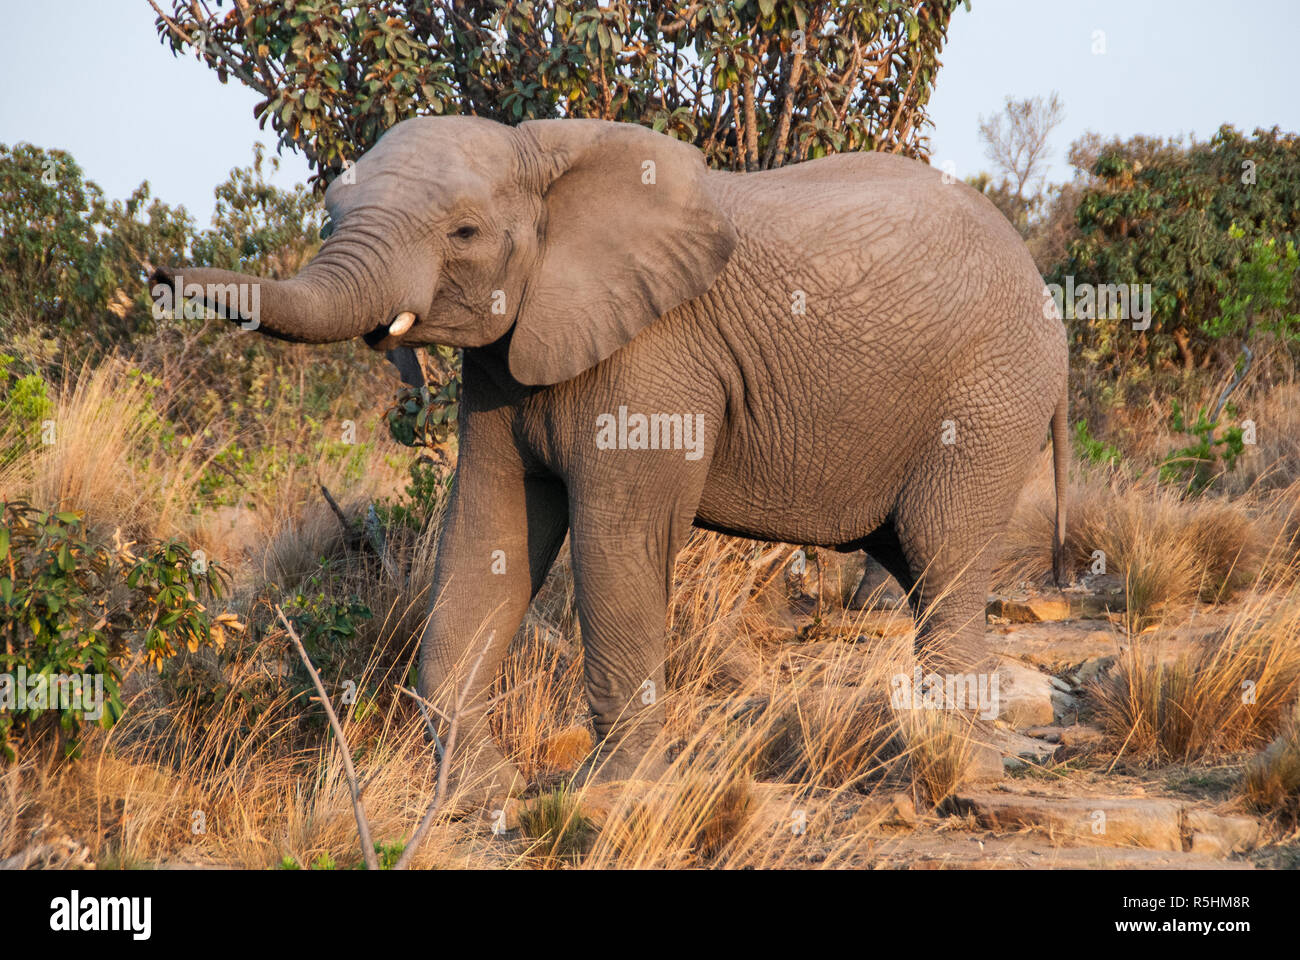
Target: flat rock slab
<point x="1152" y="823"/>
<point x="958" y="851"/>
<point x="1016" y="749"/>
<point x="1060" y="648"/>
<point x="1045" y="608"/>
<point x="1147" y="822"/>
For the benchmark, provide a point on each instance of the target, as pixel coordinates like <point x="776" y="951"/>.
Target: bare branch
<point x="363" y="825"/>
<point x="444" y="764"/>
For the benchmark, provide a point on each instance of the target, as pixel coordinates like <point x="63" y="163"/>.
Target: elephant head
<point x="571" y="235"/>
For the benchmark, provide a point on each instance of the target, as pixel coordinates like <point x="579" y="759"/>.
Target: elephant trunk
<point x="335" y="297"/>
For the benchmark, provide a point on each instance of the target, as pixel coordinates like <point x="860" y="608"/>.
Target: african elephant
<point x="849" y="352"/>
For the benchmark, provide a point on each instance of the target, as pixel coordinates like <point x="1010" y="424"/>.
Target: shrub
<point x="24" y="404"/>
<point x="72" y="608"/>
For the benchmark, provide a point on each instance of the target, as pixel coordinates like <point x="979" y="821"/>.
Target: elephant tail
<point x="1061" y="468"/>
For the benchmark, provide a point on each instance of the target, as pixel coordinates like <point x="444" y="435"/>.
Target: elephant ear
<point x="628" y="232"/>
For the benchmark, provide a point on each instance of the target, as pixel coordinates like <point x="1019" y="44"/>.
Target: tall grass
<point x="1229" y="694"/>
<point x="111" y="456"/>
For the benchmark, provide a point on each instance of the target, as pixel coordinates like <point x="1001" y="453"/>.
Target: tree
<point x="754" y="83"/>
<point x="68" y="257"/>
<point x="1160" y="212"/>
<point x="1016" y="142"/>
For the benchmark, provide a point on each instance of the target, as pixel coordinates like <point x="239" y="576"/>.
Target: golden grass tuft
<point x="560" y="829"/>
<point x="1225" y="695"/>
<point x="110" y="458"/>
<point x="1167" y="551"/>
<point x="1271" y="784"/>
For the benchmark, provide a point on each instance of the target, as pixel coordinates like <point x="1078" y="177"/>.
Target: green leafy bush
<point x="1093" y="450"/>
<point x="328" y="630"/>
<point x="24" y="405"/>
<point x="1195" y="466"/>
<point x="71" y="611"/>
<point x="1198" y="222"/>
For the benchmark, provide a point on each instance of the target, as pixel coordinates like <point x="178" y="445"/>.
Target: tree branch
<point x="444" y="764"/>
<point x="363" y="825"/>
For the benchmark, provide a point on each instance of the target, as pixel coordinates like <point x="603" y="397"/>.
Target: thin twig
<point x="444" y="764"/>
<point x="425" y="706"/>
<point x="363" y="825"/>
<point x="348" y="532"/>
<point x="1236" y="381"/>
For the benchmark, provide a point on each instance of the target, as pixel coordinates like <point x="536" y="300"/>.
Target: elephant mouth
<point x="389" y="335"/>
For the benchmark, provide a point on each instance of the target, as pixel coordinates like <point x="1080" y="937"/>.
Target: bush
<point x="1158" y="212"/>
<point x="72" y="610"/>
<point x="24" y="405"/>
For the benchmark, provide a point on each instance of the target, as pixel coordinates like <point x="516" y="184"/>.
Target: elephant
<point x="852" y="352"/>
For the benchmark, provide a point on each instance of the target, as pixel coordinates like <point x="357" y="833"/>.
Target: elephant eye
<point x="465" y="233"/>
<point x="326" y="229"/>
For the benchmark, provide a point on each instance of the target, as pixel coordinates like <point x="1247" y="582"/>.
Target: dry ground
<point x="1147" y="715"/>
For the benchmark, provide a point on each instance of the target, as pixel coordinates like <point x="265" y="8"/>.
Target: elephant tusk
<point x="401" y="323"/>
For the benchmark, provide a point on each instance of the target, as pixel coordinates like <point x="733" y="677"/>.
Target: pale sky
<point x="90" y="77"/>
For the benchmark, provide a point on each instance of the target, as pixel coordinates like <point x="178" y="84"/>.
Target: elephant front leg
<point x="499" y="539"/>
<point x="623" y="577"/>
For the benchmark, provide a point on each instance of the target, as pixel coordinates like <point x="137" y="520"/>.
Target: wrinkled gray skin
<point x="678" y="296"/>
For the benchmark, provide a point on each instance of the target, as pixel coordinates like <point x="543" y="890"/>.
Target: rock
<point x="1227" y="834"/>
<point x="1058" y="648"/>
<point x="1016" y="749"/>
<point x="1152" y="823"/>
<point x="926" y="850"/>
<point x="895" y="811"/>
<point x="1024" y="696"/>
<point x="1093" y="670"/>
<point x="784" y="809"/>
<point x="1050" y="734"/>
<point x="1080" y="735"/>
<point x="502" y="814"/>
<point x="1028" y="609"/>
<point x="902" y="809"/>
<point x="600" y="801"/>
<point x="984" y="763"/>
<point x="1064" y="705"/>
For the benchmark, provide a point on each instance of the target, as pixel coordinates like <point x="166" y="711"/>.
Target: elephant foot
<point x="877" y="590"/>
<point x="634" y="756"/>
<point x="479" y="773"/>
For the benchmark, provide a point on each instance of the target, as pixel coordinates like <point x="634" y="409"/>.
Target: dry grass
<point x="1227" y="695"/>
<point x="772" y="731"/>
<point x="109" y="459"/>
<point x="1165" y="550"/>
<point x="1271" y="784"/>
<point x="269" y="784"/>
<point x="540" y="716"/>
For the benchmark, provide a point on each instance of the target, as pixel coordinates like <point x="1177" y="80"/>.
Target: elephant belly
<point x="832" y="503"/>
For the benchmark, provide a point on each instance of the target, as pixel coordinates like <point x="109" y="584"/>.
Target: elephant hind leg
<point x="886" y="571"/>
<point x="946" y="530"/>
